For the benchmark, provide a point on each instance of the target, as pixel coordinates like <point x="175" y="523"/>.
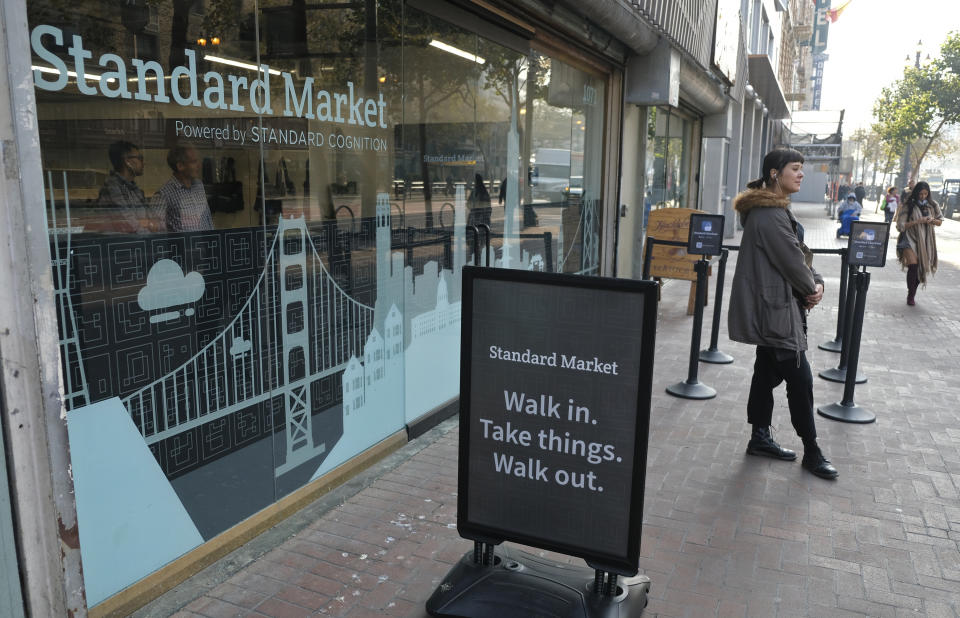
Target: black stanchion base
<point x="715" y="356"/>
<point x="521" y="585"/>
<point x="691" y="390"/>
<point x="847" y="413"/>
<point x="832" y="346"/>
<point x="840" y="375"/>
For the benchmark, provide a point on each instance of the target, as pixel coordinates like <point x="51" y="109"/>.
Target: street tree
<point x="917" y="109"/>
<point x="869" y="153"/>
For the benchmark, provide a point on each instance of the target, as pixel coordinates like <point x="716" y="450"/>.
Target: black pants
<point x="772" y="367"/>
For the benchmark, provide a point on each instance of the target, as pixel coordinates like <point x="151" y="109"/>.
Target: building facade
<point x="237" y="230"/>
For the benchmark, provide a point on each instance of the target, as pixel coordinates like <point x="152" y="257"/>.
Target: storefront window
<point x="669" y="148"/>
<point x="258" y="215"/>
<point x="563" y="120"/>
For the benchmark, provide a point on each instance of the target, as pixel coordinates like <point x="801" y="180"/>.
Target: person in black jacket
<point x="479" y="200"/>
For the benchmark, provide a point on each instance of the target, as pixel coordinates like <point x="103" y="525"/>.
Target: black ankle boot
<point x="761" y="443"/>
<point x="913" y="282"/>
<point x="815" y="462"/>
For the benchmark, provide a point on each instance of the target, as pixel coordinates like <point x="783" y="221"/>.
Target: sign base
<point x="520" y="585"/>
<point x="840" y="375"/>
<point x="691" y="390"/>
<point x="715" y="356"/>
<point x="847" y="413"/>
<point x="832" y="346"/>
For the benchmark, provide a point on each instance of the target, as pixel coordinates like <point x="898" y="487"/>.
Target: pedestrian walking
<point x="917" y="243"/>
<point x="860" y="192"/>
<point x="889" y="204"/>
<point x="479" y="200"/>
<point x="843" y="190"/>
<point x="774" y="285"/>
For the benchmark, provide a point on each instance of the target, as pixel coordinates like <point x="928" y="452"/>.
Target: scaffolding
<point x="818" y="135"/>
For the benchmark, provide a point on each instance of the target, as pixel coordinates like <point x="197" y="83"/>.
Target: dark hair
<point x="914" y="196"/>
<point x="892" y="190"/>
<point x="776" y="159"/>
<point x="178" y="154"/>
<point x="118" y="151"/>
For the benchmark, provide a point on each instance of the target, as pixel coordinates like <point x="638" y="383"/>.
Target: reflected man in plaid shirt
<point x="181" y="203"/>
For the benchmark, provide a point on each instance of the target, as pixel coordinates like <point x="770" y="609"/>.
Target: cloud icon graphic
<point x="167" y="287"/>
<point x="240" y="346"/>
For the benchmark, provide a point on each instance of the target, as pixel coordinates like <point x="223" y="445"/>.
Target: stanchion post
<point x="837" y="344"/>
<point x="692" y="388"/>
<point x="839" y="373"/>
<point x="846" y="410"/>
<point x="647" y="254"/>
<point x="476" y="244"/>
<point x="701" y="269"/>
<point x="849" y="306"/>
<point x="853" y="358"/>
<point x="712" y="354"/>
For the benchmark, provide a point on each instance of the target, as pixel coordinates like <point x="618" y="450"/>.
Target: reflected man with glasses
<point x="120" y="192"/>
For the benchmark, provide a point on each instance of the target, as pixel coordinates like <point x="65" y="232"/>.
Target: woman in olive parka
<point x="774" y="286"/>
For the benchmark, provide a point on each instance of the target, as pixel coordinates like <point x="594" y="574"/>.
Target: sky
<point x="868" y="46"/>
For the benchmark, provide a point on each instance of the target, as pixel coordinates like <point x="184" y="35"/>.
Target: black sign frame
<point x="875" y="257"/>
<point x="625" y="563"/>
<point x="694" y="235"/>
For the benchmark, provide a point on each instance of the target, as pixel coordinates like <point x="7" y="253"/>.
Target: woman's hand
<point x="814" y="299"/>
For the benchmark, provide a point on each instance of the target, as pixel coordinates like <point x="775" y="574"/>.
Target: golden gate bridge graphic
<point x="297" y="326"/>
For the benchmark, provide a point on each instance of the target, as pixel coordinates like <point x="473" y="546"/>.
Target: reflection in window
<point x="563" y="117"/>
<point x="669" y="137"/>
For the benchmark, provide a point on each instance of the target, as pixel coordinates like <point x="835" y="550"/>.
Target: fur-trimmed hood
<point x="758" y="198"/>
<point x="773" y="270"/>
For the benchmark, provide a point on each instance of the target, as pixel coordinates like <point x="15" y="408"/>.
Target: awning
<point x="763" y="78"/>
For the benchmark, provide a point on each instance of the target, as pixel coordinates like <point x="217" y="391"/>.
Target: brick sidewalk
<point x="724" y="534"/>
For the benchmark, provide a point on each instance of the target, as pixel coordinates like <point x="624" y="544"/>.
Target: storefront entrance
<point x="258" y="214"/>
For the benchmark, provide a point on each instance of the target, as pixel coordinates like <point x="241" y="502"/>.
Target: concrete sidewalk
<point x="724" y="534"/>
